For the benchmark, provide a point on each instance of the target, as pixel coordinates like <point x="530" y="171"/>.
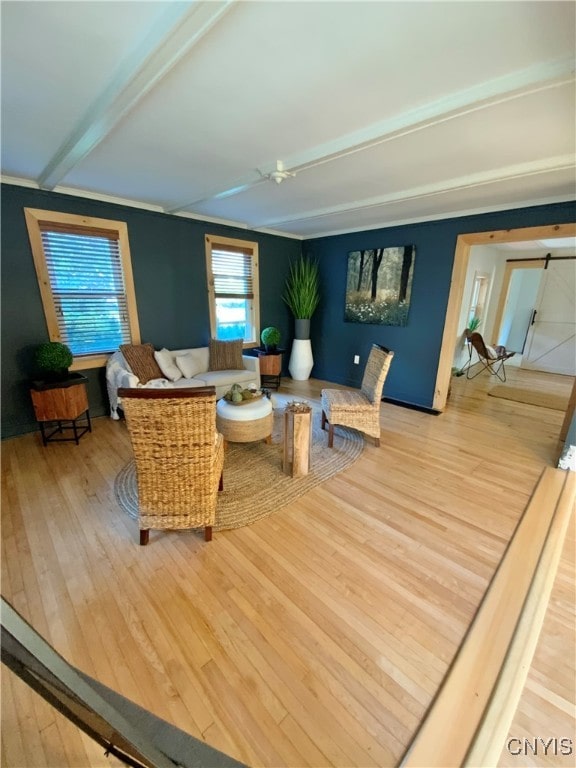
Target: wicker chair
<point x="179" y="457"/>
<point x="359" y="409"/>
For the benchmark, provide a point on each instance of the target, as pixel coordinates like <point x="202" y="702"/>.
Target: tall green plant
<point x="302" y="292"/>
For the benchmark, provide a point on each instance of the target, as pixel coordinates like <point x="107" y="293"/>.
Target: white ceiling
<point x="387" y="112"/>
<point x="567" y="244"/>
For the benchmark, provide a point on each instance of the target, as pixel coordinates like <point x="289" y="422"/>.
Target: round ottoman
<point x="245" y="423"/>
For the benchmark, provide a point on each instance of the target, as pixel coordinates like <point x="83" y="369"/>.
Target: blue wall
<point x="412" y="375"/>
<point x="170" y="279"/>
<point x="169" y="265"/>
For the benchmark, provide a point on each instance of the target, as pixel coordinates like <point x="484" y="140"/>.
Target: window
<point x="85" y="278"/>
<point x="232" y="268"/>
<point x="479" y="294"/>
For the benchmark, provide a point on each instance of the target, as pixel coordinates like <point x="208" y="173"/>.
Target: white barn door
<point x="551" y="342"/>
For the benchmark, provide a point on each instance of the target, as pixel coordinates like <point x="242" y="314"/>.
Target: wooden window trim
<point x="247" y="247"/>
<point x="36" y="220"/>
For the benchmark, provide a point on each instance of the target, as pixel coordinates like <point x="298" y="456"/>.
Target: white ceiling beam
<point x="482" y="96"/>
<point x="520" y="170"/>
<point x="540" y="77"/>
<point x="181" y="27"/>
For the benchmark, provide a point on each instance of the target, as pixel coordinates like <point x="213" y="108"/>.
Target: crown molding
<point x="444" y="216"/>
<point x="28" y="183"/>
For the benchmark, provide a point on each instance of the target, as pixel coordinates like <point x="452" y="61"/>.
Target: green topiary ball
<point x="270" y="337"/>
<point x="53" y="358"/>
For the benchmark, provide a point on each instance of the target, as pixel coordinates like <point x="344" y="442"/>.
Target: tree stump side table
<point x="297" y="439"/>
<point x="60" y="405"/>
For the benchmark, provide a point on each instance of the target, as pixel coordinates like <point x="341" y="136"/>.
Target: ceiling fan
<point x="279" y="174"/>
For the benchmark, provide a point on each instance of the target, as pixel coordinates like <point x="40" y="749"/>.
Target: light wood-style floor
<point x="317" y="637"/>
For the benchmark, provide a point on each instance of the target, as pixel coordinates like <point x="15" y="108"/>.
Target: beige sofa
<point x="180" y="368"/>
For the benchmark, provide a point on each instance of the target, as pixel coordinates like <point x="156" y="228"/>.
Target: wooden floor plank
<point x="316" y="637"/>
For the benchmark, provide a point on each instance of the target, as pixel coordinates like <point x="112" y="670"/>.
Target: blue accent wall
<point x="412" y="375"/>
<point x="169" y="266"/>
<point x="168" y="260"/>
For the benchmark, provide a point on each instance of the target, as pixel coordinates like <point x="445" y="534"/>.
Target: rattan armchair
<point x="359" y="409"/>
<point x="179" y="457"/>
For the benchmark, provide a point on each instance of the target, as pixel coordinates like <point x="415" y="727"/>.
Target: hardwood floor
<point x="317" y="637"/>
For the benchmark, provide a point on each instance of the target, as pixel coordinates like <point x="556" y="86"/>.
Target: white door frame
<point x="461" y="258"/>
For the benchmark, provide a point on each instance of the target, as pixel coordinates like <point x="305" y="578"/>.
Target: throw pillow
<point x="165" y="360"/>
<point x="140" y="357"/>
<point x="226" y="355"/>
<point x="189" y="365"/>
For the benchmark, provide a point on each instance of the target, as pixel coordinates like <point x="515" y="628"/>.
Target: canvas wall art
<point x="379" y="285"/>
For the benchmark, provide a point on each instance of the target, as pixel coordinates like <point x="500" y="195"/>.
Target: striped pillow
<point x="140" y="358"/>
<point x="226" y="355"/>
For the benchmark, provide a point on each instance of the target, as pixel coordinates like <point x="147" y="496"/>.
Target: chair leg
<point x="323" y="420"/>
<point x="221" y="482"/>
<point x="208" y="533"/>
<point x="330" y="435"/>
<point x="144" y="536"/>
<point x="500" y="372"/>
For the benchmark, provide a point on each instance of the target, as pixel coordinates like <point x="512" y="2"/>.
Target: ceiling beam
<point x="534" y="79"/>
<point x="180" y="28"/>
<point x="503" y="89"/>
<point x="520" y="170"/>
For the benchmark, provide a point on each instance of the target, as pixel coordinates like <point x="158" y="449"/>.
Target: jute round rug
<point x="254" y="484"/>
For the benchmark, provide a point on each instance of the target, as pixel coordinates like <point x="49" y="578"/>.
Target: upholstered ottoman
<point x="245" y="423"/>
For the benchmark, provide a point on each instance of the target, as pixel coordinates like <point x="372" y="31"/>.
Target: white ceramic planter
<point x="301" y="360"/>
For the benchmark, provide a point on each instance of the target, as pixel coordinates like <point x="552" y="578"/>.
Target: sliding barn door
<point x="551" y="342"/>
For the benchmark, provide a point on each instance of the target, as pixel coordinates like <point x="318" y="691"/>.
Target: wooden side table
<point x="61" y="405"/>
<point x="270" y="368"/>
<point x="297" y="439"/>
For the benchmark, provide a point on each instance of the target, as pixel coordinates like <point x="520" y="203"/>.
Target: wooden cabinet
<point x="59" y="405"/>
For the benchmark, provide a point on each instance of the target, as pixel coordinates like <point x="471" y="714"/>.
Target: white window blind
<point x="232" y="274"/>
<point x="87" y="284"/>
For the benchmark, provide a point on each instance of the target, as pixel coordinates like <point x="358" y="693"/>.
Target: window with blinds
<point x="232" y="267"/>
<point x="86" y="282"/>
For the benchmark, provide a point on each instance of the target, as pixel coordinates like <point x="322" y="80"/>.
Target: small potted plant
<point x="53" y="360"/>
<point x="270" y="338"/>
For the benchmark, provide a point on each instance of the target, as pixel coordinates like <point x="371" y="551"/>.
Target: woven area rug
<point x="254" y="484"/>
<point x="542" y="399"/>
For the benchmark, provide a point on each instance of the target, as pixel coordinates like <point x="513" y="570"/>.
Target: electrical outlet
<point x="356" y="359"/>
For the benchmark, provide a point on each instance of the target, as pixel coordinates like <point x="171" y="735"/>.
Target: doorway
<point x="459" y="270"/>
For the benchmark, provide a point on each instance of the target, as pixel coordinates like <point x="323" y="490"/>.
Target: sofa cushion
<point x="191" y="364"/>
<point x="167" y="364"/>
<point x="140" y="357"/>
<point x="227" y="378"/>
<point x="226" y="355"/>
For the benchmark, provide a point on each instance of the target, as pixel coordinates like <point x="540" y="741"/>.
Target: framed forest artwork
<point x="379" y="285"/>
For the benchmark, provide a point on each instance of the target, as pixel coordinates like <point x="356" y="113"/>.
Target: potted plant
<point x="52" y="360"/>
<point x="270" y="338"/>
<point x="473" y="325"/>
<point x="302" y="294"/>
